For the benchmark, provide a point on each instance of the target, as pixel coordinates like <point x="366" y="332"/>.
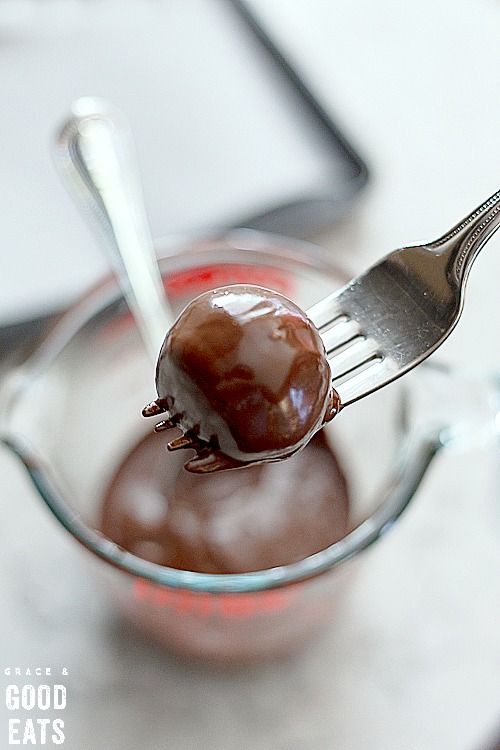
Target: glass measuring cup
<point x="73" y="411"/>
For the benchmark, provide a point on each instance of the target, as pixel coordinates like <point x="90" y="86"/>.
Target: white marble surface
<point x="413" y="660"/>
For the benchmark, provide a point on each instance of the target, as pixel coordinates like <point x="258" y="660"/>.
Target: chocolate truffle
<point x="243" y="373"/>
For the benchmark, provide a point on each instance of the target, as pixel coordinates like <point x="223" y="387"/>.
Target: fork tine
<point x="325" y="311"/>
<point x="370" y="376"/>
<point x="339" y="334"/>
<point x="361" y="350"/>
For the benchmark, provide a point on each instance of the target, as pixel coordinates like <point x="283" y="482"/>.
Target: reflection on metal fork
<point x="397" y="313"/>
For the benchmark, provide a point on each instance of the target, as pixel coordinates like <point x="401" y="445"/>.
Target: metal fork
<point x="393" y="316"/>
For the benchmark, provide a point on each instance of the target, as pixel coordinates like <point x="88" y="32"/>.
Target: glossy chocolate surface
<point x="243" y="372"/>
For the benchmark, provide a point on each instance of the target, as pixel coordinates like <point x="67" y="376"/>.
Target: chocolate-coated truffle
<point x="243" y="372"/>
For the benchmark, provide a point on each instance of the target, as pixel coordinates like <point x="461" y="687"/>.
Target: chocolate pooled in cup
<point x="226" y="522"/>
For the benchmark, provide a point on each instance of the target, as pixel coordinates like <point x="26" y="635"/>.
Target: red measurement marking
<point x="201" y="279"/>
<point x="194" y="281"/>
<point x="226" y="605"/>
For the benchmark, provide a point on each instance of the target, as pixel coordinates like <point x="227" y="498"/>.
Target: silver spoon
<point x="95" y="154"/>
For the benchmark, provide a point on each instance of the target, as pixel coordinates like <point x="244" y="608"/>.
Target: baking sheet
<point x="223" y="134"/>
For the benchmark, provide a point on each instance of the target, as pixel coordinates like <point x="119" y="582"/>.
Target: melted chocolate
<point x="230" y="522"/>
<point x="243" y="372"/>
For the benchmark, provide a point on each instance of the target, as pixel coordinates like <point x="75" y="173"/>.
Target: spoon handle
<point x="95" y="153"/>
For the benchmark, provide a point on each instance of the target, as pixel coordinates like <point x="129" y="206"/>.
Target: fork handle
<point x="463" y="243"/>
